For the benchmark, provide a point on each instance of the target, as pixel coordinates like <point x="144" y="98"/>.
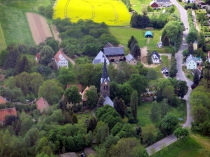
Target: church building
<point x="105" y="86"/>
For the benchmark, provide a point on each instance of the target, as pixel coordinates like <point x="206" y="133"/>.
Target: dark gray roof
<point x="114" y="51"/>
<point x="108" y="45"/>
<point x="155" y="52"/>
<point x="105" y="76"/>
<point x="108" y="101"/>
<point x="164" y="68"/>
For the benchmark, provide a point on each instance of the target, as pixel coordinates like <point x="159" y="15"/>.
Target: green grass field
<point x="123" y="34"/>
<point x="183" y="148"/>
<point x="3" y="44"/>
<point x="138" y="5"/>
<point x="15" y="26"/>
<point x="82" y="117"/>
<point x="28" y="5"/>
<point x="144" y="111"/>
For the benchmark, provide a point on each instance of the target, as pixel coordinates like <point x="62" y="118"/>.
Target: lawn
<point x="123" y="34"/>
<point x="143" y="114"/>
<point x="28" y="5"/>
<point x="138" y="5"/>
<point x="82" y="117"/>
<point x="144" y="111"/>
<point x="182" y="148"/>
<point x="3" y="44"/>
<point x="111" y="12"/>
<point x="15" y="26"/>
<point x="188" y="73"/>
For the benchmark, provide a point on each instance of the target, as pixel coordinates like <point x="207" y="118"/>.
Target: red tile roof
<point x="83" y="94"/>
<point x="2" y="100"/>
<point x="57" y="56"/>
<point x="7" y="112"/>
<point x="42" y="105"/>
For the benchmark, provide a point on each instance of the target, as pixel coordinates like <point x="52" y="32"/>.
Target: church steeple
<point x="105" y="87"/>
<point x="105" y="76"/>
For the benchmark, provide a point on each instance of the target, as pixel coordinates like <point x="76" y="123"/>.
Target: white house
<point x="60" y="59"/>
<point x="130" y="59"/>
<point x="164" y="71"/>
<point x="163" y="3"/>
<point x="155" y="58"/>
<point x="191" y="62"/>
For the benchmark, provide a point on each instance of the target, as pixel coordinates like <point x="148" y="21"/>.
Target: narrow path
<point x="180" y="76"/>
<point x="69" y="59"/>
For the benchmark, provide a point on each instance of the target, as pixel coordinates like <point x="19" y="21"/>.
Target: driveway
<point x="180" y="76"/>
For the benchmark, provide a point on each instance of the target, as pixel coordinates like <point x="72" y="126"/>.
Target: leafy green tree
<point x="102" y="133"/>
<point x="181" y="133"/>
<point x="3" y="57"/>
<point x="152" y="74"/>
<point x="72" y="95"/>
<point x="114" y="90"/>
<point x="46" y="54"/>
<point x="155" y="115"/>
<point x="199" y="113"/>
<point x="163" y="108"/>
<point x="138" y="82"/>
<point x="196" y="78"/>
<point x="92" y="96"/>
<point x="181" y="89"/>
<point x="66" y="76"/>
<point x="149" y="58"/>
<point x="168" y="124"/>
<point x="130" y="147"/>
<point x="22" y="65"/>
<point x="51" y="93"/>
<point x="116" y="129"/>
<point x="12" y="57"/>
<point x="168" y="92"/>
<point x="110" y="140"/>
<point x="125" y="92"/>
<point x="136" y="51"/>
<point x="119" y="106"/>
<point x="132" y="42"/>
<point x="126" y="131"/>
<point x="149" y="134"/>
<point x="91" y="124"/>
<point x="134" y="104"/>
<point x="50" y="41"/>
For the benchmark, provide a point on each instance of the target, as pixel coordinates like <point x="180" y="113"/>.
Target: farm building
<point x="130" y="59"/>
<point x="61" y="59"/>
<point x="148" y="34"/>
<point x="153" y="4"/>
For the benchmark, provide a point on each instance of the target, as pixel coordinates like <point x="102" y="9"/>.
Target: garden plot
<point x="112" y="12"/>
<point x="39" y="28"/>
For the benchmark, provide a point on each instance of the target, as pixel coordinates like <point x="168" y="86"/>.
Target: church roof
<point x="108" y="101"/>
<point x="104" y="73"/>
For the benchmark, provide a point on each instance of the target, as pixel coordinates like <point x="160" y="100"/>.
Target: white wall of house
<point x="155" y="59"/>
<point x="191" y="65"/>
<point x="62" y="62"/>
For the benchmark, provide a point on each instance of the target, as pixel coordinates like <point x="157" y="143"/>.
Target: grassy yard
<point x="82" y="117"/>
<point x="15" y="26"/>
<point x="3" y="44"/>
<point x="144" y="111"/>
<point x="183" y="148"/>
<point x="138" y="5"/>
<point x="123" y="34"/>
<point x="187" y="73"/>
<point x="165" y="62"/>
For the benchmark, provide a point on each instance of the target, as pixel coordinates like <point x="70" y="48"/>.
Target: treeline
<point x="155" y="20"/>
<point x="83" y="37"/>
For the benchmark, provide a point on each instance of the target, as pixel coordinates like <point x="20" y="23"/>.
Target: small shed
<point x="148" y="34"/>
<point x="153" y="4"/>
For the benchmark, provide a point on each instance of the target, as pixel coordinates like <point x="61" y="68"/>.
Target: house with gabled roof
<point x="164" y="71"/>
<point x="114" y="53"/>
<point x="83" y="94"/>
<point x="2" y="100"/>
<point x="61" y="60"/>
<point x="130" y="59"/>
<point x="7" y="112"/>
<point x="156" y="58"/>
<point x="191" y="62"/>
<point x="42" y="105"/>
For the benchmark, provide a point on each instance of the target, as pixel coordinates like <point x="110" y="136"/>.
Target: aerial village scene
<point x="106" y="78"/>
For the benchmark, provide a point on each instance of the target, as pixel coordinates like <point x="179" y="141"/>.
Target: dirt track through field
<point x="39" y="28"/>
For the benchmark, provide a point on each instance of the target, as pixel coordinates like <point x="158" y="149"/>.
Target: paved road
<point x="180" y="76"/>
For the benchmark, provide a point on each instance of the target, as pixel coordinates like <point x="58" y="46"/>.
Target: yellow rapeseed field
<point x="112" y="12"/>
